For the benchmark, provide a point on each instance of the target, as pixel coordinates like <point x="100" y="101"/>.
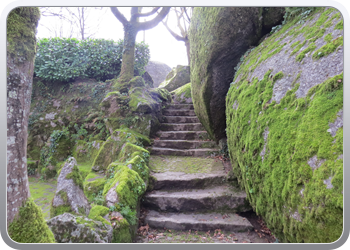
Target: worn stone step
<point x="184" y="152"/>
<point x="183" y="144"/>
<point x="197" y="221"/>
<point x="181" y="180"/>
<point x="181" y="119"/>
<point x="181" y="127"/>
<point x="178" y="112"/>
<point x="218" y="198"/>
<point x="183" y="135"/>
<point x="180" y="106"/>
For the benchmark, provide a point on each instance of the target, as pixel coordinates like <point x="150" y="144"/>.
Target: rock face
<point x="285" y="128"/>
<point x="68" y="228"/>
<point x="158" y="71"/>
<point x="178" y="76"/>
<point x="70" y="195"/>
<point x="218" y="38"/>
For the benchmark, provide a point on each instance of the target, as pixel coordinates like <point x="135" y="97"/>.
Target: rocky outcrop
<point x="285" y="131"/>
<point x="178" y="76"/>
<point x="70" y="195"/>
<point x="158" y="71"/>
<point x="218" y="38"/>
<point x="68" y="228"/>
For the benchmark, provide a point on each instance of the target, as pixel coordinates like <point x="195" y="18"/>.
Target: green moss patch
<point x="76" y="176"/>
<point x="188" y="165"/>
<point x="330" y="47"/>
<point x="130" y="187"/>
<point x="30" y="226"/>
<point x="98" y="212"/>
<point x="42" y="193"/>
<point x="280" y="184"/>
<point x="121" y="232"/>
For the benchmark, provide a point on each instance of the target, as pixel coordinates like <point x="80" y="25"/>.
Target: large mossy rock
<point x="285" y="129"/>
<point x="70" y="195"/>
<point x="158" y="71"/>
<point x="69" y="228"/>
<point x="138" y="109"/>
<point x="111" y="148"/>
<point x="177" y="77"/>
<point x="218" y="38"/>
<point x="182" y="95"/>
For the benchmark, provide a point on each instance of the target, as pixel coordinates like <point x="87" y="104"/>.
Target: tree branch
<point x="119" y="16"/>
<point x="153" y="23"/>
<point x="176" y="36"/>
<point x="155" y="9"/>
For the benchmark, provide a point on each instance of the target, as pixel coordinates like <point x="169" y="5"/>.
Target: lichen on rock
<point x="69" y="228"/>
<point x="69" y="195"/>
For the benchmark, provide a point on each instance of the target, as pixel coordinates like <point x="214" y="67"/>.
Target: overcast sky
<point x="163" y="46"/>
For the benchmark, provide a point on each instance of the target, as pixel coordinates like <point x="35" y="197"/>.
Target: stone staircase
<point x="182" y="134"/>
<point x="184" y="199"/>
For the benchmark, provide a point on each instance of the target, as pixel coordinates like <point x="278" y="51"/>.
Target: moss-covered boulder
<point x="285" y="128"/>
<point x="141" y="101"/>
<point x="69" y="228"/>
<point x="124" y="186"/>
<point x="70" y="195"/>
<point x="219" y="37"/>
<point x="110" y="149"/>
<point x="178" y="76"/>
<point x="158" y="71"/>
<point x="182" y="95"/>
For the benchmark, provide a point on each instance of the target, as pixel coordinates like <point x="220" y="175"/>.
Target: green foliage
<point x="302" y="13"/>
<point x="64" y="59"/>
<point x="128" y="214"/>
<point x="76" y="176"/>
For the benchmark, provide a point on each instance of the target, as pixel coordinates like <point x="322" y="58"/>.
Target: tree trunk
<point x="187" y="44"/>
<point x="127" y="70"/>
<point x="25" y="221"/>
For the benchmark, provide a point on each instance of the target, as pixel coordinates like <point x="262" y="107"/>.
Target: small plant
<point x="128" y="214"/>
<point x="98" y="199"/>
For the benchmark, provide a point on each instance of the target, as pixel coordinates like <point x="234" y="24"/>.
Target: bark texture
<point x="21" y="46"/>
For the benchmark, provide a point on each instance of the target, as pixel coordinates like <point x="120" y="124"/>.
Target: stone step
<point x="180" y="106"/>
<point x="181" y="127"/>
<point x="218" y="198"/>
<point x="183" y="135"/>
<point x="196" y="221"/>
<point x="201" y="152"/>
<point x="178" y="112"/>
<point x="181" y="180"/>
<point x="183" y="144"/>
<point x="181" y="119"/>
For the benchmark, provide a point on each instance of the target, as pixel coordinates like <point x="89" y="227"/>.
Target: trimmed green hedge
<point x="63" y="59"/>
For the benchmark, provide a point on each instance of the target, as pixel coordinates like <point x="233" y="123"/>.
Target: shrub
<point x="64" y="59"/>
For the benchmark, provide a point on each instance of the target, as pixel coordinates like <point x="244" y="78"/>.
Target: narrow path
<point x="191" y="200"/>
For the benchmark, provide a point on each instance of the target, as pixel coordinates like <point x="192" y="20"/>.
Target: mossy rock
<point x="178" y="76"/>
<point x="110" y="149"/>
<point x="124" y="87"/>
<point x="182" y="95"/>
<point x="130" y="150"/>
<point x="141" y="101"/>
<point x="86" y="151"/>
<point x="98" y="213"/>
<point x="219" y="36"/>
<point x="69" y="228"/>
<point x="126" y="187"/>
<point x="285" y="138"/>
<point x="139" y="165"/>
<point x="160" y="94"/>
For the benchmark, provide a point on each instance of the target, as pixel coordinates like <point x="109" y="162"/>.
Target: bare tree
<point x="183" y="17"/>
<point x="73" y="21"/>
<point x="131" y="28"/>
